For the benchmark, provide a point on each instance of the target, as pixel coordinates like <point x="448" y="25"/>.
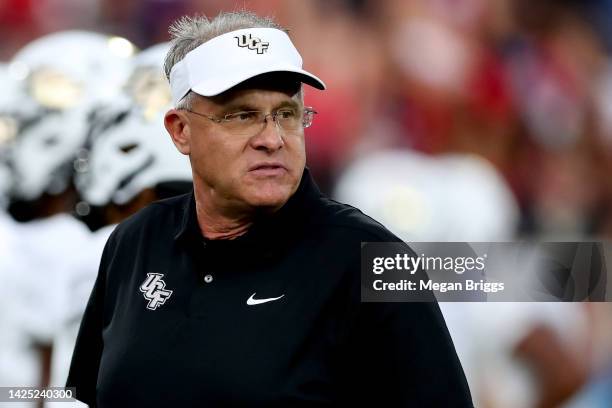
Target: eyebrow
<point x="287" y="104"/>
<point x="243" y="106"/>
<point x="235" y="107"/>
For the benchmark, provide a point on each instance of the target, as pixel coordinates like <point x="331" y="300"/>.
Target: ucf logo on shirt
<point x="154" y="290"/>
<point x="252" y="43"/>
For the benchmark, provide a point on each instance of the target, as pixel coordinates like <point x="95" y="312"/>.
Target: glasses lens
<point x="252" y="122"/>
<point x="289" y="119"/>
<point x="244" y="122"/>
<point x="308" y="117"/>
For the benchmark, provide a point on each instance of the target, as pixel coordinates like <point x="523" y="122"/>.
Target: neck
<point x="217" y="218"/>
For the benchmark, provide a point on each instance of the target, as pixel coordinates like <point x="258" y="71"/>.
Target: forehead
<point x="263" y="89"/>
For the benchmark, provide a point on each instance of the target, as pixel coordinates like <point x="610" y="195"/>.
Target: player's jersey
<point x="76" y="288"/>
<point x="18" y="362"/>
<point x="462" y="198"/>
<point x="36" y="257"/>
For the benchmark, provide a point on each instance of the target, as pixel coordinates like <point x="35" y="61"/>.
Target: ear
<point x="178" y="127"/>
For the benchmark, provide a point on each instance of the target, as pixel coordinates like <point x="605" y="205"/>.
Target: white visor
<point x="231" y="58"/>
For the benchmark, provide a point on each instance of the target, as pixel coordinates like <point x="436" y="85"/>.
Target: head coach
<point x="246" y="292"/>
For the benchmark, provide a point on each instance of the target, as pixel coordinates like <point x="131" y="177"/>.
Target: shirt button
<point x="208" y="278"/>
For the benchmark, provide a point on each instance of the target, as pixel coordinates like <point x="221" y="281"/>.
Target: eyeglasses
<point x="253" y="122"/>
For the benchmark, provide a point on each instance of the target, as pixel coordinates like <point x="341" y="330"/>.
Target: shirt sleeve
<point x="83" y="374"/>
<point x="401" y="354"/>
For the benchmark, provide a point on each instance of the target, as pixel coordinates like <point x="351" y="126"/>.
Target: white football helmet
<point x="8" y="130"/>
<point x="424" y="198"/>
<point x="147" y="85"/>
<point x="60" y="76"/>
<point x="130" y="148"/>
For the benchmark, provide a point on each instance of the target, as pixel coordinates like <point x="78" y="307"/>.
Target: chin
<point x="269" y="196"/>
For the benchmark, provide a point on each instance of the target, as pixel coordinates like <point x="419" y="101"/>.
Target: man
<point x="130" y="162"/>
<point x="40" y="117"/>
<point x="246" y="292"/>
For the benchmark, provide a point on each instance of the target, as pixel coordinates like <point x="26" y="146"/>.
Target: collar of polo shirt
<point x="231" y="58"/>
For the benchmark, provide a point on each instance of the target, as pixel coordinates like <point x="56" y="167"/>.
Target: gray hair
<point x="188" y="33"/>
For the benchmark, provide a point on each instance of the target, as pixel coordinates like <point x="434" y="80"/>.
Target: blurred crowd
<point x="446" y="120"/>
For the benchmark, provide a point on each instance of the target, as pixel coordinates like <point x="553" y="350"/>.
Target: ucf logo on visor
<point x="252" y="43"/>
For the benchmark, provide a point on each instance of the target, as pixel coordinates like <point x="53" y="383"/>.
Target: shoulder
<point x="159" y="216"/>
<point x="345" y="218"/>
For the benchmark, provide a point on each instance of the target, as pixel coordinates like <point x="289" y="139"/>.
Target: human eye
<point x="241" y="116"/>
<point x="286" y="113"/>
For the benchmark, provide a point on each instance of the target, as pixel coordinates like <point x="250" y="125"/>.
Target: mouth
<point x="268" y="169"/>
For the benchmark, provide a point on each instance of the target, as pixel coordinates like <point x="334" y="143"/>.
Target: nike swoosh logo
<point x="252" y="301"/>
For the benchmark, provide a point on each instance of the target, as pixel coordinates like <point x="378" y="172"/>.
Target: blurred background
<point x="446" y="120"/>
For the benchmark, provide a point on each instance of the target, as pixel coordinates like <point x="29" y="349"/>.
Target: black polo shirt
<point x="272" y="318"/>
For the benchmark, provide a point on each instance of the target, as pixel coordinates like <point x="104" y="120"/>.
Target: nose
<point x="270" y="138"/>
